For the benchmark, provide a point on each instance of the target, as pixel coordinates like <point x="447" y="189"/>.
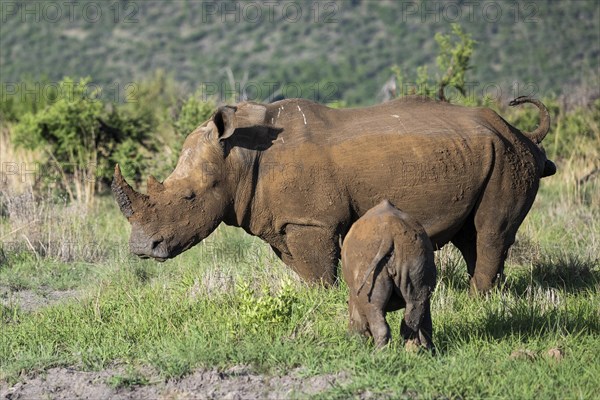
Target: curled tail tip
<point x="521" y="100"/>
<point x="544" y="126"/>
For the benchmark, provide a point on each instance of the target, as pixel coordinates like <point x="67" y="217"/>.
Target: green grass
<point x="230" y="301"/>
<point x="170" y="324"/>
<point x="127" y="380"/>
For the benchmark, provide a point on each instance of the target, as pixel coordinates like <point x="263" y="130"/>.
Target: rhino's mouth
<point x="147" y="257"/>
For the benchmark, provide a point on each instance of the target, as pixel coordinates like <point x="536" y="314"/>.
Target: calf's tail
<point x="542" y="130"/>
<point x="385" y="248"/>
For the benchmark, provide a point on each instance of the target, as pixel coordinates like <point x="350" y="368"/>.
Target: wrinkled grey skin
<point x="388" y="264"/>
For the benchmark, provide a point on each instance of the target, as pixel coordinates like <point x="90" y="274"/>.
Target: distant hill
<point x="324" y="50"/>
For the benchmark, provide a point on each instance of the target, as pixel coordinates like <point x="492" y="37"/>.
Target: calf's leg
<point x="379" y="327"/>
<point x="374" y="300"/>
<point x="358" y="320"/>
<point x="416" y="327"/>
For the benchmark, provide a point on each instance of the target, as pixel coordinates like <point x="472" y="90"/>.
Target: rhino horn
<point x="127" y="198"/>
<point x="154" y="186"/>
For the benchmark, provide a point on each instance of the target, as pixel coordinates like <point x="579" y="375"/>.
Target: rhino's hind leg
<point x="466" y="242"/>
<point x="495" y="234"/>
<point x="484" y="254"/>
<point x="358" y="319"/>
<point x="506" y="201"/>
<point x="496" y="229"/>
<point x="426" y="330"/>
<point x="314" y="253"/>
<point x="416" y="286"/>
<point x="491" y="255"/>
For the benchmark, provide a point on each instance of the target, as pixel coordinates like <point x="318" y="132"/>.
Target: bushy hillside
<point x="325" y="50"/>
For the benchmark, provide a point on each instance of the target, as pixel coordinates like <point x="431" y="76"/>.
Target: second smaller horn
<point x="154" y="186"/>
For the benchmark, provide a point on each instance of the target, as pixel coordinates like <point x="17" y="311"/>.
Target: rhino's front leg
<point x="313" y="252"/>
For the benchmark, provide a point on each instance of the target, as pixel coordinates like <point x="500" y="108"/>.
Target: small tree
<point x="453" y="62"/>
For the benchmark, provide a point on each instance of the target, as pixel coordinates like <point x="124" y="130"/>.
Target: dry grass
<point x="35" y="221"/>
<point x="17" y="166"/>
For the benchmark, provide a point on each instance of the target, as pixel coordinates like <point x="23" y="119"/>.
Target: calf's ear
<point x="225" y="121"/>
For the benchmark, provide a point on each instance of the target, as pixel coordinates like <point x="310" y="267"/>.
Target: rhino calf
<point x="388" y="264"/>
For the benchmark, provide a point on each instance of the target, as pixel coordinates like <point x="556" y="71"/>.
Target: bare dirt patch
<point x="235" y="383"/>
<point x="32" y="300"/>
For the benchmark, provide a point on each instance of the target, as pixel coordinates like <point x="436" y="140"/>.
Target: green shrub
<point x="256" y="311"/>
<point x="132" y="142"/>
<point x="193" y="112"/>
<point x="69" y="132"/>
<point x="83" y="141"/>
<point x="15" y="102"/>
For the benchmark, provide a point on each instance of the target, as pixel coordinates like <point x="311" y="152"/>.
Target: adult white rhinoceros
<point x="298" y="174"/>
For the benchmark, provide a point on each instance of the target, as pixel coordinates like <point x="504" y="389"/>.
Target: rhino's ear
<point x="251" y="114"/>
<point x="225" y="121"/>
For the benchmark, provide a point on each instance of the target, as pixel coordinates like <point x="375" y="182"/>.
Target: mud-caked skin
<point x="388" y="263"/>
<point x="298" y="174"/>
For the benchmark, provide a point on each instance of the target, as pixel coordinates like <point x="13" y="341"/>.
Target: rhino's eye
<point x="189" y="195"/>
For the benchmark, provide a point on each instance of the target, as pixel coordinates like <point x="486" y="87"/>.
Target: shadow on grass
<point x="526" y="322"/>
<point x="553" y="297"/>
<point x="531" y="324"/>
<point x="568" y="272"/>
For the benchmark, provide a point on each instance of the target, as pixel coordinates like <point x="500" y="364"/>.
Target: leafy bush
<point x="257" y="311"/>
<point x="14" y="103"/>
<point x="69" y="132"/>
<point x="131" y="143"/>
<point x="576" y="132"/>
<point x="194" y="111"/>
<point x="82" y="140"/>
<point x="454" y="59"/>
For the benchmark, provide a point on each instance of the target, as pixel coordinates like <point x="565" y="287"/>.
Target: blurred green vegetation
<point x="82" y="137"/>
<point x="334" y="50"/>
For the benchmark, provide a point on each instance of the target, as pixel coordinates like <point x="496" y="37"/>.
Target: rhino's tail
<point x="384" y="249"/>
<point x="549" y="168"/>
<point x="542" y="130"/>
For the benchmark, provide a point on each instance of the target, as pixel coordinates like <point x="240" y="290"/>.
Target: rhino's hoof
<point x="413" y="345"/>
